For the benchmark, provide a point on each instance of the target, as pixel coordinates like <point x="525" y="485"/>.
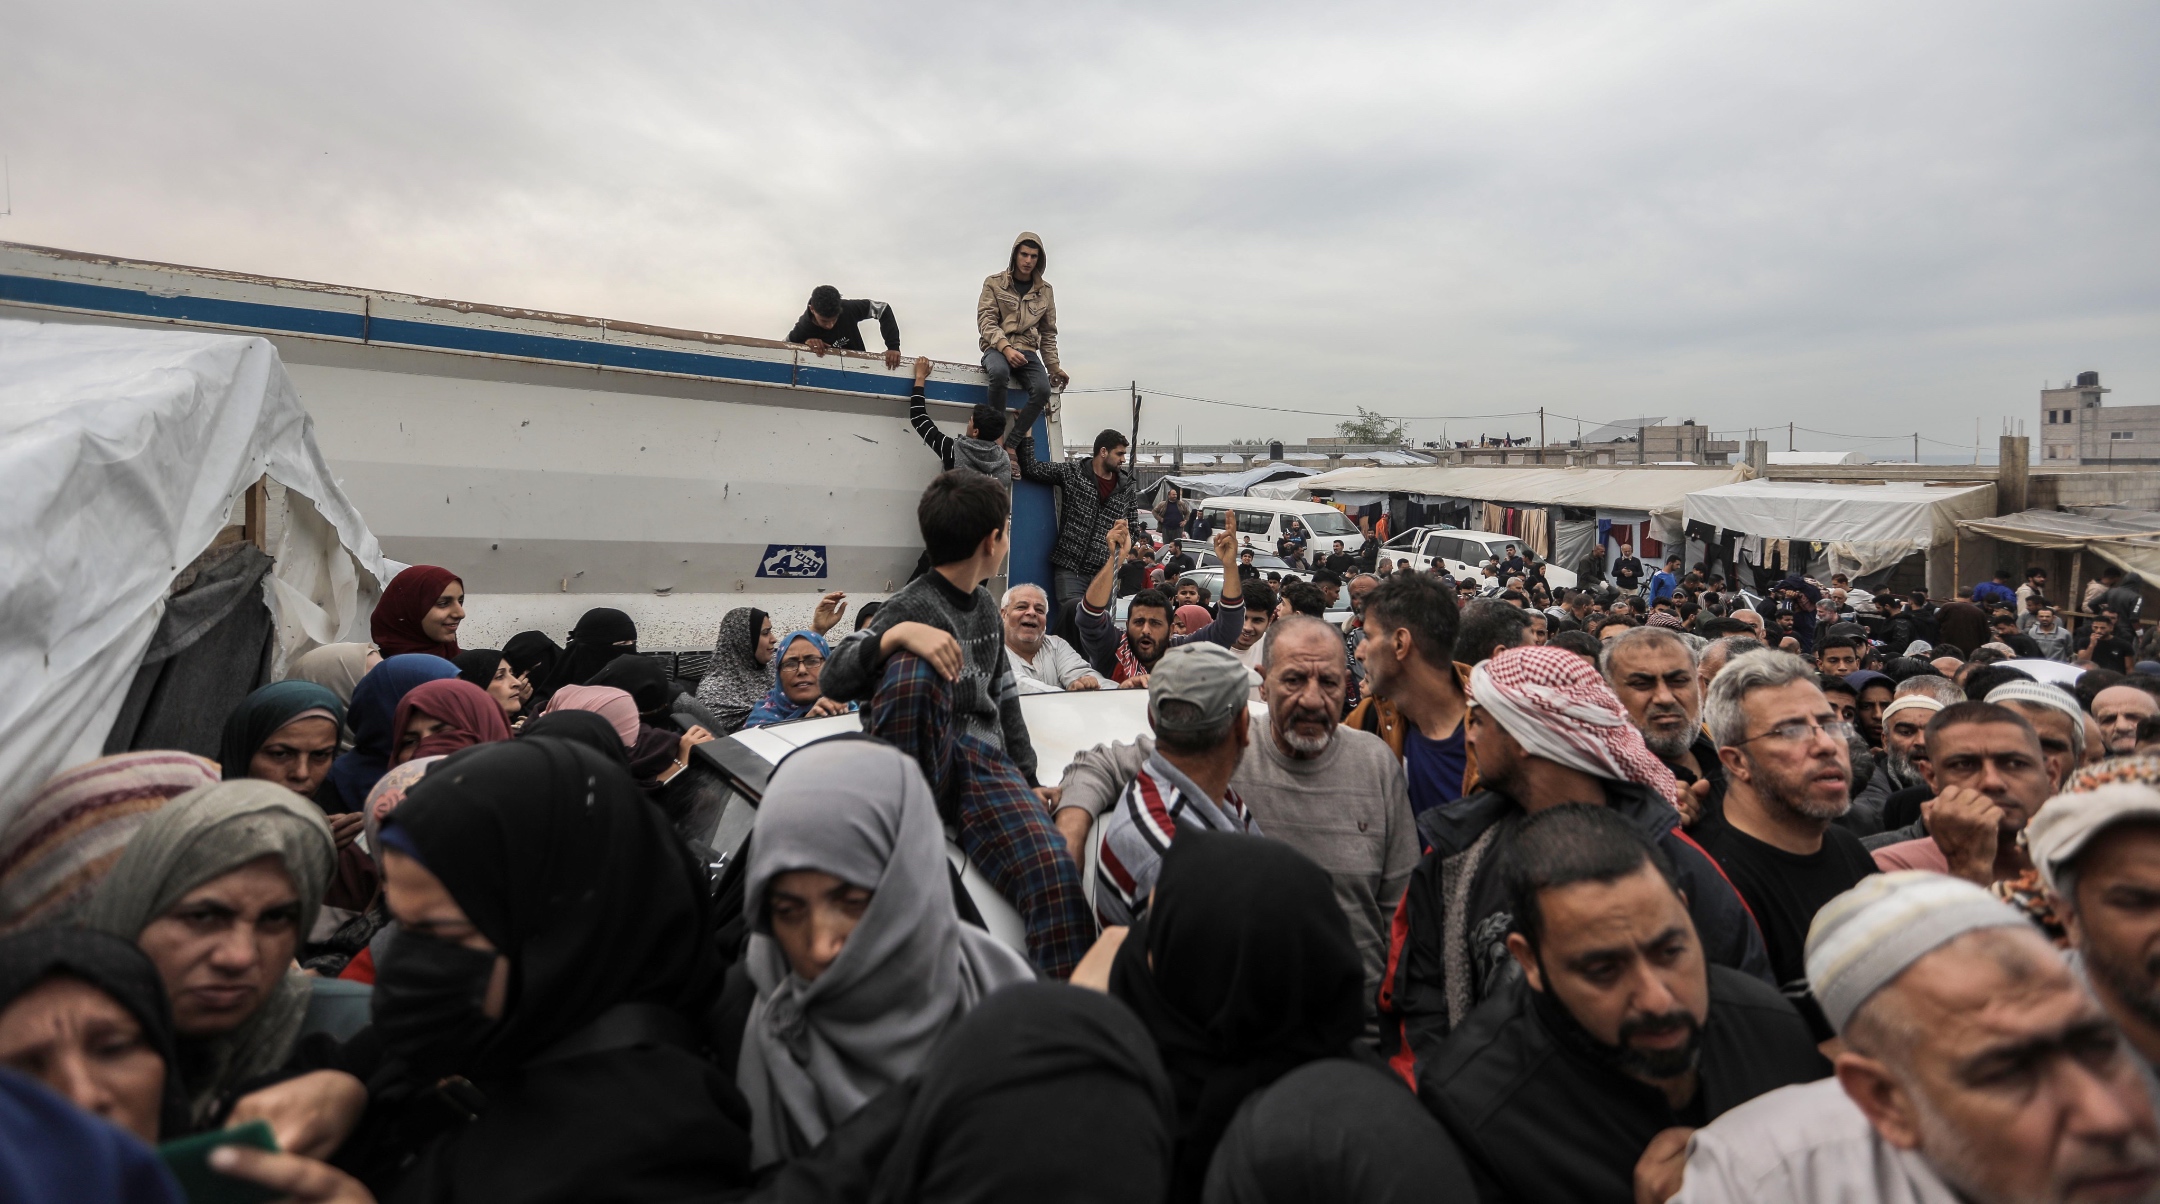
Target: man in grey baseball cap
<point x="1196" y="704"/>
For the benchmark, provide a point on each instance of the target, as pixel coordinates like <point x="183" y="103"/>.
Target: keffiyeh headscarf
<point x="1557" y="707"/>
<point x="737" y="680"/>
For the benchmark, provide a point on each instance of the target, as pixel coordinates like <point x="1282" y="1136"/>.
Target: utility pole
<point x="1916" y="447"/>
<point x="1135" y="436"/>
<point x="1788" y="437"/>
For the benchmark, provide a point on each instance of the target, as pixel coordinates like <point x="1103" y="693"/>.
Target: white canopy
<point x="1654" y="491"/>
<point x="1871" y="526"/>
<point x="122" y="452"/>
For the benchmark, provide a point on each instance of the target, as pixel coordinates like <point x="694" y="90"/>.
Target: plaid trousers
<point x="1004" y="828"/>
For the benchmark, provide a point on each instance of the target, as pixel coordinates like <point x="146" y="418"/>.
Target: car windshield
<point x="1327" y="522"/>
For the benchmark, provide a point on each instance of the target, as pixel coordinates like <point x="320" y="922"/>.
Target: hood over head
<point x="1012" y="262"/>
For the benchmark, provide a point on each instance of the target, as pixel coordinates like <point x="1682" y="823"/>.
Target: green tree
<point x="1370" y="426"/>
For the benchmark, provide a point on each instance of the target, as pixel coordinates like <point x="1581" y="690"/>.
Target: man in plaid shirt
<point x="1091" y="496"/>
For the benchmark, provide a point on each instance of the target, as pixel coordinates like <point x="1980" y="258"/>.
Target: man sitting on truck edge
<point x="1017" y="319"/>
<point x="830" y="324"/>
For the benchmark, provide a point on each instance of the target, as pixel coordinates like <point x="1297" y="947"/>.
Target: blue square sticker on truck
<point x="792" y="560"/>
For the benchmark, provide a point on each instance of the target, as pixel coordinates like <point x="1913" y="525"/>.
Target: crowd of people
<point x="1640" y="890"/>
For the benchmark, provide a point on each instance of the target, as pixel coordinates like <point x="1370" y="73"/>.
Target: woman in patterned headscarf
<point x="742" y="668"/>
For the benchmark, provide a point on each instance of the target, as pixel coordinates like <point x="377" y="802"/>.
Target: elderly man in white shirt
<point x="1040" y="662"/>
<point x="1976" y="1069"/>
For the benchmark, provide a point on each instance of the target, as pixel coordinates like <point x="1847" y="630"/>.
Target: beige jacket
<point x="1006" y="319"/>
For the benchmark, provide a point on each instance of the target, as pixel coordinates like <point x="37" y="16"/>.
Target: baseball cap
<point x="1207" y="676"/>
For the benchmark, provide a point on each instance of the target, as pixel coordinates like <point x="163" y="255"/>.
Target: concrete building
<point x="2077" y="428"/>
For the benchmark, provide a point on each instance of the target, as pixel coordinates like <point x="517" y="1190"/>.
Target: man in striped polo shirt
<point x="1196" y="704"/>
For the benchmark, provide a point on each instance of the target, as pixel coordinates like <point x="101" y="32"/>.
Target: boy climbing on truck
<point x="976" y="451"/>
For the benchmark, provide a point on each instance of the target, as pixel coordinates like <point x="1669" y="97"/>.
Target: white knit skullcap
<point x="1863" y="939"/>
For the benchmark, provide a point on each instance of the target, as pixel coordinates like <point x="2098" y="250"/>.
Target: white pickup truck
<point x="1461" y="552"/>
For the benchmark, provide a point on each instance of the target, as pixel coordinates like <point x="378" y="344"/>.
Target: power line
<point x="1591" y="422"/>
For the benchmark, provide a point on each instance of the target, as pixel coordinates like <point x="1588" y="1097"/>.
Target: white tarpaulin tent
<point x="1867" y="527"/>
<point x="1654" y="491"/>
<point x="2130" y="538"/>
<point x="122" y="453"/>
<point x="1655" y="495"/>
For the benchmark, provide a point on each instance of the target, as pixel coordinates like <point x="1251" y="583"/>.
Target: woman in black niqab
<point x="592" y="1084"/>
<point x="1254" y="974"/>
<point x="602" y="634"/>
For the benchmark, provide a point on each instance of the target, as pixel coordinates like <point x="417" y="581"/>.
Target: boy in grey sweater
<point x="932" y="668"/>
<point x="979" y="449"/>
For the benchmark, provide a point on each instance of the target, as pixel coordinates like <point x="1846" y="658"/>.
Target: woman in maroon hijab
<point x="420" y="612"/>
<point x="441" y="717"/>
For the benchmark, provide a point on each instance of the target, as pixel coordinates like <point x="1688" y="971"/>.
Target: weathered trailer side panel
<point x="562" y="462"/>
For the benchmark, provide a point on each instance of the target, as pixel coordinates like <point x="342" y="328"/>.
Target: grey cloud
<point x="1729" y="211"/>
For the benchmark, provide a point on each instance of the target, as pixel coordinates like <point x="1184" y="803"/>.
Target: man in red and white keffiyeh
<point x="1533" y="709"/>
<point x="1557" y="707"/>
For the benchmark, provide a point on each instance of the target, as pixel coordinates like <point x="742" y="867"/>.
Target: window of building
<point x="2122" y="434"/>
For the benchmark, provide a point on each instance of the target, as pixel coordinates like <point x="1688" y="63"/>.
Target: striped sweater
<point x="1139" y="829"/>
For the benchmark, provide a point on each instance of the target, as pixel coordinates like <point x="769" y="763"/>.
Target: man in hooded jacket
<point x="1017" y="318"/>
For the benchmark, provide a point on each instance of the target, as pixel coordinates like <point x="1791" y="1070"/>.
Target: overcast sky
<point x="1864" y="217"/>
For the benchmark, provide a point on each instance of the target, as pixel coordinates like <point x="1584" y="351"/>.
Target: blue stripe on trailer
<point x="441" y="336"/>
<point x="70" y="294"/>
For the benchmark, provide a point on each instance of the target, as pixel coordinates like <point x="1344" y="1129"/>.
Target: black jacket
<point x="1543" y="1118"/>
<point x="1447" y="949"/>
<point x="845" y="334"/>
<point x="1713" y="771"/>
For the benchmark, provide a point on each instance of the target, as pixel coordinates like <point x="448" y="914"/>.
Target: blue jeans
<point x="1032" y="376"/>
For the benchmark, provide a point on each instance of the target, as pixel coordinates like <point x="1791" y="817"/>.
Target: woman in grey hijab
<point x="245" y="851"/>
<point x="742" y="670"/>
<point x="859" y="958"/>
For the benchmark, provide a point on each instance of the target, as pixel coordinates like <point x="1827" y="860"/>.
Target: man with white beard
<point x="1976" y="1069"/>
<point x="1652" y="672"/>
<point x="1786" y="778"/>
<point x="1905" y="723"/>
<point x="1333" y="793"/>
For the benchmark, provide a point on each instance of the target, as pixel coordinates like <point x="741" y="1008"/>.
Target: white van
<point x="1461" y="552"/>
<point x="1262" y="519"/>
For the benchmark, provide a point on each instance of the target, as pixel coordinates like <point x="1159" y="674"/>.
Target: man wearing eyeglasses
<point x="1787" y="777"/>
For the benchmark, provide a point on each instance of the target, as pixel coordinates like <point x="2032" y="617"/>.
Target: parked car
<point x="1461" y="552"/>
<point x="1263" y="519"/>
<point x="1060" y="725"/>
<point x="1264" y="559"/>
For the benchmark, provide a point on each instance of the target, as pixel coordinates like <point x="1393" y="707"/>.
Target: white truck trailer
<point x="559" y="463"/>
